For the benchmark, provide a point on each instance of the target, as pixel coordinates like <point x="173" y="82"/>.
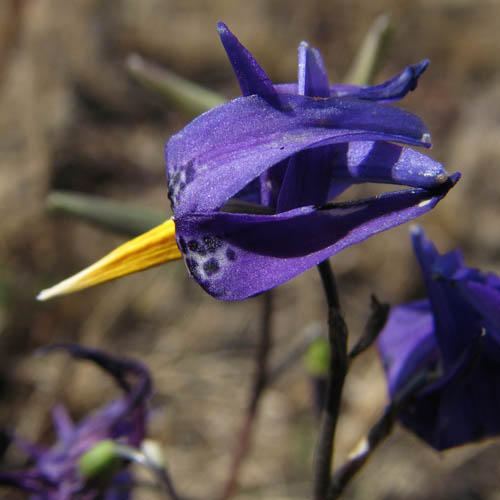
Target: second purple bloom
<point x="452" y="339"/>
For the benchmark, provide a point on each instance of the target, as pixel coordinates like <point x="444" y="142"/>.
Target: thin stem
<point x="374" y="325"/>
<point x="259" y="383"/>
<point x="329" y="285"/>
<point x="362" y="452"/>
<point x="377" y="434"/>
<point x="339" y="362"/>
<point x="164" y="477"/>
<point x="160" y="472"/>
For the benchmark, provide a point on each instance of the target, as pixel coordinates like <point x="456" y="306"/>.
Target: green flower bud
<point x="99" y="461"/>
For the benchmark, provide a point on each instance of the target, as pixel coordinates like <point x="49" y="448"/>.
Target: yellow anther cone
<point x="150" y="249"/>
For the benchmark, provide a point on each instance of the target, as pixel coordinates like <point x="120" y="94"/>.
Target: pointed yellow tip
<point x="150" y="249"/>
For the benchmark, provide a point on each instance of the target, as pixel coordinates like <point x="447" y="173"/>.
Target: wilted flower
<point x="250" y="181"/>
<point x="62" y="471"/>
<point x="452" y="339"/>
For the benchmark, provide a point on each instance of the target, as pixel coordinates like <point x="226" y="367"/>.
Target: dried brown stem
<point x="259" y="383"/>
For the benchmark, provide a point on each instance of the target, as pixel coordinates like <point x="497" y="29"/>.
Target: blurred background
<point x="73" y="119"/>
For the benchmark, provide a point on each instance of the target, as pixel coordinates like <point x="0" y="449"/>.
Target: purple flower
<point x="452" y="339"/>
<point x="289" y="154"/>
<point x="251" y="182"/>
<point x="55" y="472"/>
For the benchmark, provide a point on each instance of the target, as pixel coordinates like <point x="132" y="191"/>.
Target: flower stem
<point x="377" y="434"/>
<point x="362" y="453"/>
<point x="259" y="383"/>
<point x="339" y="362"/>
<point x="373" y="327"/>
<point x="161" y="473"/>
<point x="329" y="285"/>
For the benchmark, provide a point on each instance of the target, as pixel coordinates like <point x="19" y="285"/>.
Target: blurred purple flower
<point x="453" y="339"/>
<point x="250" y="181"/>
<point x="55" y="472"/>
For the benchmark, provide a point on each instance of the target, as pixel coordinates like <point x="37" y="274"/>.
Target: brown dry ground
<point x="72" y="119"/>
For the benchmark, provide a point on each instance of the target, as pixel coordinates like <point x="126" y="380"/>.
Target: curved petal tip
<point x="421" y="66"/>
<point x="222" y="28"/>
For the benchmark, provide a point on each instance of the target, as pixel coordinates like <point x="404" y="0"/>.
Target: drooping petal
<point x="28" y="481"/>
<point x="55" y="472"/>
<point x="251" y="77"/>
<point x="31" y="450"/>
<point x="407" y="344"/>
<point x="462" y="404"/>
<point x="482" y="291"/>
<point x="317" y="175"/>
<point x="393" y="89"/>
<point x="307" y="179"/>
<point x="234" y="256"/>
<point x="123" y="419"/>
<point x="314" y="176"/>
<point x="486" y="301"/>
<point x="250" y="193"/>
<point x="223" y="150"/>
<point x="271" y="182"/>
<point x="451" y="312"/>
<point x="287" y="88"/>
<point x="312" y="76"/>
<point x="462" y="409"/>
<point x="492" y="280"/>
<point x="121" y="487"/>
<point x="384" y="162"/>
<point x="130" y="375"/>
<point x="448" y="266"/>
<point x="63" y="424"/>
<point x="341" y="165"/>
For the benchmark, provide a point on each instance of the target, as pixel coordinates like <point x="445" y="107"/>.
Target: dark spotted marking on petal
<point x="212" y="243"/>
<point x="182" y="244"/>
<point x="211" y="266"/>
<point x="189" y="172"/>
<point x="206" y="256"/>
<point x="230" y="254"/>
<point x="193" y="245"/>
<point x="196" y="247"/>
<point x="192" y="265"/>
<point x="171" y="198"/>
<point x="178" y="181"/>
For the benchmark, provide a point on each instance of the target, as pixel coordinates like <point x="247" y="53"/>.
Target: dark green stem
<point x="377" y="434"/>
<point x="381" y="430"/>
<point x="339" y="362"/>
<point x="259" y="383"/>
<point x="373" y="327"/>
